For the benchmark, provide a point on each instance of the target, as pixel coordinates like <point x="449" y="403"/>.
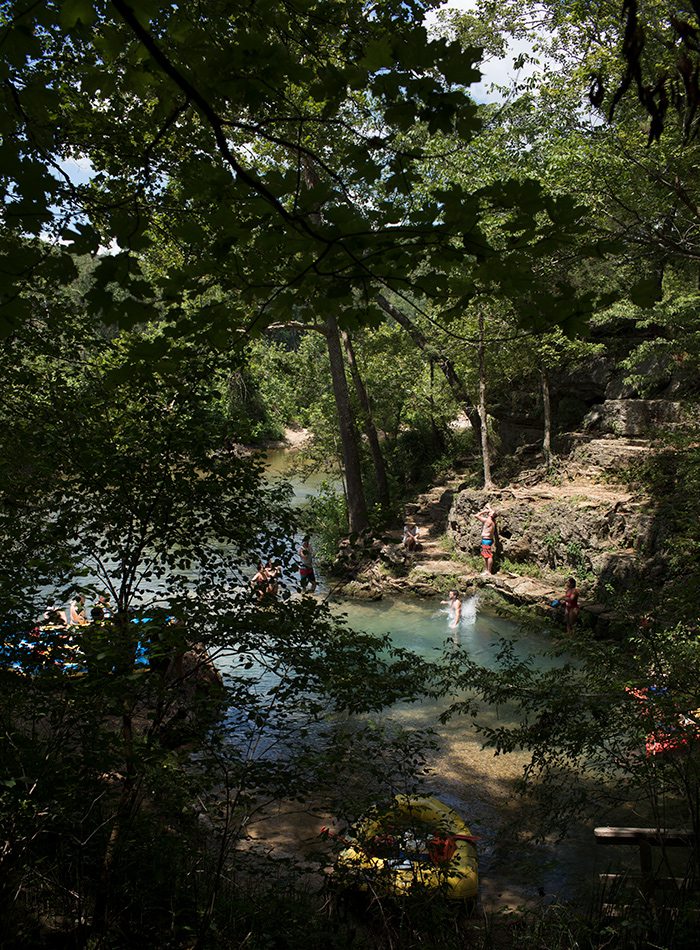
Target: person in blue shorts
<point x="487" y="517"/>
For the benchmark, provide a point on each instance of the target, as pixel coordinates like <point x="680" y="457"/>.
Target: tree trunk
<point x="436" y="436"/>
<point x="547" y="412"/>
<point x="129" y="797"/>
<point x="357" y="506"/>
<point x="370" y="428"/>
<point x="446" y="365"/>
<point x="485" y="449"/>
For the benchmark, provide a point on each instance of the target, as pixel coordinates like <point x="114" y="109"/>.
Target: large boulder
<point x="396" y="558"/>
<point x="197" y="696"/>
<point x="633" y="417"/>
<point x="571" y="534"/>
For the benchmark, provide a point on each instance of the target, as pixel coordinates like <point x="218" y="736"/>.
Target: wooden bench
<point x="645" y="839"/>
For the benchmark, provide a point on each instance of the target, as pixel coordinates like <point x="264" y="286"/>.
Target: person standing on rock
<point x="273" y="570"/>
<point x="260" y="581"/>
<point x="571" y="607"/>
<point x="487" y="517"/>
<point x="306" y="564"/>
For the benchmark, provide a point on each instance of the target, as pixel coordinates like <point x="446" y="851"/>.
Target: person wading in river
<point x="455" y="605"/>
<point x="487" y="517"/>
<point x="306" y="565"/>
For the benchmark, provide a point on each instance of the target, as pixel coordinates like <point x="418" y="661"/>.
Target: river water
<point x="477" y="783"/>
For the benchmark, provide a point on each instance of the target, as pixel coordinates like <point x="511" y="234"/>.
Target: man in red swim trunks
<point x="487" y="517"/>
<point x="306" y="564"/>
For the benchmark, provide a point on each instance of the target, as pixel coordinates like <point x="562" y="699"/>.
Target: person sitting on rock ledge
<point x="54" y="616"/>
<point x="77" y="610"/>
<point x="410" y="535"/>
<point x="487" y="517"/>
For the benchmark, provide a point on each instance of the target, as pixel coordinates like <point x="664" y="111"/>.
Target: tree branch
<point x="212" y="118"/>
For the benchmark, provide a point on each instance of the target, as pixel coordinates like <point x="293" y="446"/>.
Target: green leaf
<point x="84" y="239"/>
<point x="378" y="54"/>
<point x="646" y="292"/>
<point x="76" y="11"/>
<point x="19" y="44"/>
<point x="458" y="64"/>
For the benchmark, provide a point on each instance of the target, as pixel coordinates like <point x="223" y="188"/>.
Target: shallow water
<point x="471" y="778"/>
<point x="281" y="463"/>
<point x="480" y="785"/>
<point x="423" y="626"/>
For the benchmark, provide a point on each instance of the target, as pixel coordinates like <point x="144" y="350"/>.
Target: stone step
<point x="433" y="554"/>
<point x="435" y="567"/>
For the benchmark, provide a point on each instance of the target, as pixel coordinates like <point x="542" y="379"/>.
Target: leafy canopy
<point x="200" y="121"/>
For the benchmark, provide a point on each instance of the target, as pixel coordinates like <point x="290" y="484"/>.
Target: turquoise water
<point x="482" y="786"/>
<point x="423" y="626"/>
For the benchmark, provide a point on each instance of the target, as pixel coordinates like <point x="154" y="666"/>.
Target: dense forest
<point x="224" y="223"/>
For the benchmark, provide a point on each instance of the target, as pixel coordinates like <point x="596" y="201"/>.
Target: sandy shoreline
<point x="293" y="438"/>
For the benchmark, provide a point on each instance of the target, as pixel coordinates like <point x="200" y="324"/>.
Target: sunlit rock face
<point x="561" y="528"/>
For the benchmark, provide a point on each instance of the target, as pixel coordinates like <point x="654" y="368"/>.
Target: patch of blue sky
<point x="79" y="170"/>
<point x="498" y="74"/>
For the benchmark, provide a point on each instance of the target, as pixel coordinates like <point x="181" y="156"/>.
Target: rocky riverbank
<point x="579" y="520"/>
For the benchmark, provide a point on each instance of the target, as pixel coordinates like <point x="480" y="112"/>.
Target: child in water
<point x="455" y="608"/>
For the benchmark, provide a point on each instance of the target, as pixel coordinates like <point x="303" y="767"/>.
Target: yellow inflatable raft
<point x="417" y="843"/>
